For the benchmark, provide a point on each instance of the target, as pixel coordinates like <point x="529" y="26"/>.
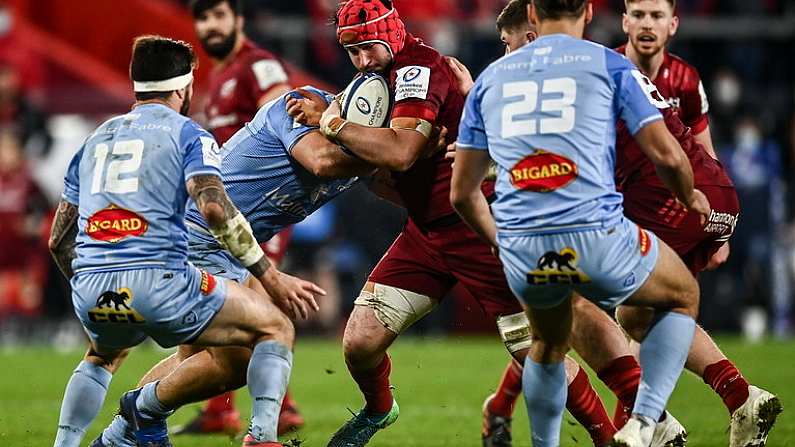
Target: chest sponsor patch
<point x="211" y="153"/>
<point x="413" y="81"/>
<point x="114" y="224"/>
<point x="557" y="268"/>
<point x="543" y="171"/>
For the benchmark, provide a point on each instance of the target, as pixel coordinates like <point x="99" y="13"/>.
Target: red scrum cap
<point x="370" y="21"/>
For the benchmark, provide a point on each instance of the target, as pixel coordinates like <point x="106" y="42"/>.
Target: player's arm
<point x="231" y="229"/>
<point x="672" y="165"/>
<point x="466" y="195"/>
<point x="695" y="108"/>
<point x="273" y="93"/>
<point x="62" y="237"/>
<point x="470" y="168"/>
<point x="396" y="148"/>
<point x="325" y="159"/>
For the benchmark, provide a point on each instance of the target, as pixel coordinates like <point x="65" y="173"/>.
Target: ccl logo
<point x="363" y="105"/>
<point x="543" y="171"/>
<point x="412" y="74"/>
<point x="114" y="307"/>
<point x="557" y="268"/>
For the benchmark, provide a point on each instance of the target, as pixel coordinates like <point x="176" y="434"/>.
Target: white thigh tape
<point x="397" y="309"/>
<point x="515" y="331"/>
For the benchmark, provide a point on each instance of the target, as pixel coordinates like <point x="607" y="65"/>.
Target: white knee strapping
<point x="515" y="331"/>
<point x="396" y="309"/>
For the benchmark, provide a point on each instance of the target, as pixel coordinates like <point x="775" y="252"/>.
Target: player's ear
<point x="532" y="16"/>
<point x="674" y="26"/>
<point x="588" y="13"/>
<point x="625" y="23"/>
<point x="239" y="22"/>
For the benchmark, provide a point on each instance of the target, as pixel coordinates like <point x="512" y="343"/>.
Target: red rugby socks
<point x="220" y="404"/>
<point x="508" y="390"/>
<point x="622" y="377"/>
<point x="727" y="381"/>
<point x="374" y="384"/>
<point x="587" y="408"/>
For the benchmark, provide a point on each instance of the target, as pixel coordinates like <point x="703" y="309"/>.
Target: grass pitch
<point x="440" y="385"/>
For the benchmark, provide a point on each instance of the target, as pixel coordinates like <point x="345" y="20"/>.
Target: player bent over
<point x="561" y="228"/>
<point x="120" y="229"/>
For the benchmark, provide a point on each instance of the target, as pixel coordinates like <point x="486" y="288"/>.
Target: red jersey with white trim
<point x="236" y="87"/>
<point x="680" y="84"/>
<point x="425" y="88"/>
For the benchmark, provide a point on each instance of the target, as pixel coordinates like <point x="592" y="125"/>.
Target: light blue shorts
<point x="605" y="265"/>
<point x="119" y="309"/>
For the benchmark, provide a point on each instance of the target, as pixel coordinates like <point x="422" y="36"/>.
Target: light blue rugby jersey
<point x="128" y="181"/>
<point x="547" y="115"/>
<point x="267" y="185"/>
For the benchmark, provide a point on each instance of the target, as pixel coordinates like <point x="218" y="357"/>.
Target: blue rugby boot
<point x="361" y="427"/>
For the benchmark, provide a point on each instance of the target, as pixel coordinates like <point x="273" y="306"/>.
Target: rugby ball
<point x="367" y="101"/>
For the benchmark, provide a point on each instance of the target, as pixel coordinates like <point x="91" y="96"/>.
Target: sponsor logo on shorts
<point x="721" y="223"/>
<point x="363" y="105"/>
<point x="557" y="268"/>
<point x="115" y="307"/>
<point x="114" y="224"/>
<point x="543" y="172"/>
<point x="208" y="283"/>
<point x="644" y="241"/>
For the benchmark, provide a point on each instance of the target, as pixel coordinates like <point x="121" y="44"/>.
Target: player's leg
<point x="544" y="375"/>
<point x="85" y="393"/>
<point x="481" y="275"/>
<point x="673" y="293"/>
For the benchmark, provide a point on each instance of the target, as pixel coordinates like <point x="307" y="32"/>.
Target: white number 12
<point x="528" y="90"/>
<point x="114" y="184"/>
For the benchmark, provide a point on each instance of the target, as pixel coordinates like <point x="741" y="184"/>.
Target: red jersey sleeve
<point x="694" y="107"/>
<point x="420" y="91"/>
<point x="262" y="75"/>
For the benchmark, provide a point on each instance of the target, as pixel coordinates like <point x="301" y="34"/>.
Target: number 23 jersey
<point x="128" y="181"/>
<point x="547" y="115"/>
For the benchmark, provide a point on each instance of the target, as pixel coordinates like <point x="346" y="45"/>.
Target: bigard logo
<point x="543" y="171"/>
<point x="114" y="307"/>
<point x="557" y="268"/>
<point x="114" y="224"/>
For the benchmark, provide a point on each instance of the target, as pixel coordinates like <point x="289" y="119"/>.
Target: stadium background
<point x="63" y="69"/>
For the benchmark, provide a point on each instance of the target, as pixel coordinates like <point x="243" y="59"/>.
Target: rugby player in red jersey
<point x="647" y="202"/>
<point x="435" y="249"/>
<point x="243" y="78"/>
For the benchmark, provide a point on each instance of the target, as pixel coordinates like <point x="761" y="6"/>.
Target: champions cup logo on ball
<point x="363" y="105"/>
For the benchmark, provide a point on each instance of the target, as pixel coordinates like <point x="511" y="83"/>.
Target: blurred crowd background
<point x="63" y="70"/>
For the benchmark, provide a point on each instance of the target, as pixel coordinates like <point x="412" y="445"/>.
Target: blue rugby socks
<point x="545" y="394"/>
<point x="268" y="375"/>
<point x="662" y="357"/>
<point x="82" y="401"/>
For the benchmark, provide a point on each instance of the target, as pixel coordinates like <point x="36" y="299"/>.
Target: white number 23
<point x="562" y="104"/>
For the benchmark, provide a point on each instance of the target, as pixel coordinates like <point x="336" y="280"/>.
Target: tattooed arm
<point x="231" y="229"/>
<point x="62" y="237"/>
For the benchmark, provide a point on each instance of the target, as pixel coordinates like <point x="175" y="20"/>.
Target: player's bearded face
<point x="217" y="30"/>
<point x="649" y="24"/>
<point x="372" y="57"/>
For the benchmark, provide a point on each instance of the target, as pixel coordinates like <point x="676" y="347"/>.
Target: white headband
<point x="166" y="85"/>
